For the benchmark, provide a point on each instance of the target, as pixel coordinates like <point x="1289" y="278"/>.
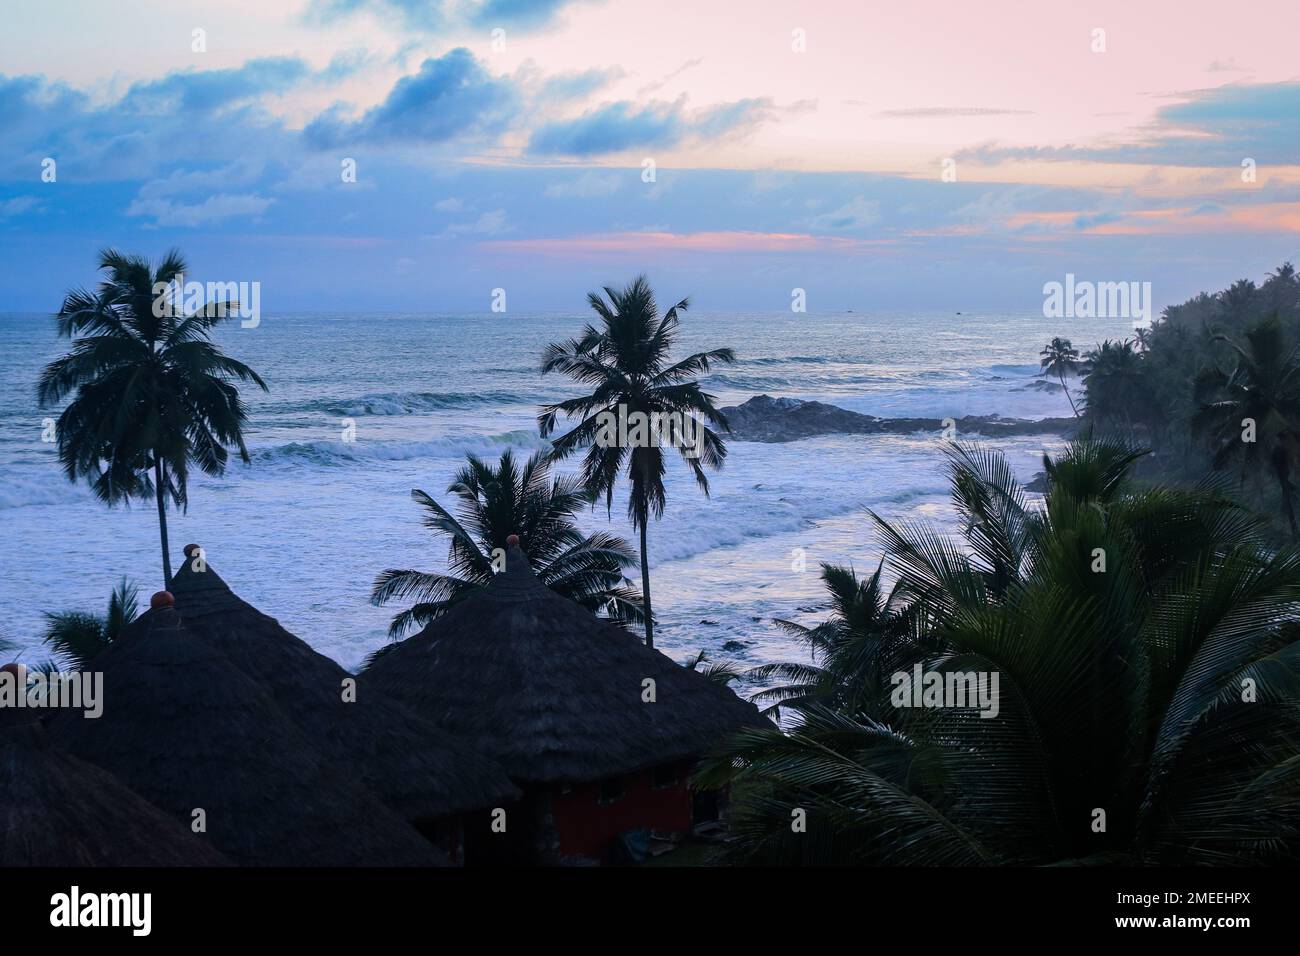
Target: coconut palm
<point x="152" y="393"/>
<point x="1147" y="647"/>
<point x="867" y="637"/>
<point x="1254" y="416"/>
<point x="625" y="362"/>
<point x="1060" y="358"/>
<point x="78" y="637"/>
<point x="494" y="503"/>
<point x="1113" y="379"/>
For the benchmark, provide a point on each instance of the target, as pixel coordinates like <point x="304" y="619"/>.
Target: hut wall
<point x="589" y="818"/>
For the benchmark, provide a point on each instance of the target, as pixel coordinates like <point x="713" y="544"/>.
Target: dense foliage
<point x="1147" y="648"/>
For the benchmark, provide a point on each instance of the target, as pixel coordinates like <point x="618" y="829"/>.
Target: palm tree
<point x="494" y="504"/>
<point x="1061" y="358"/>
<point x="1113" y="381"/>
<point x="866" y="637"/>
<point x="1263" y="389"/>
<point x="152" y="392"/>
<point x="77" y="637"/>
<point x="625" y="363"/>
<point x="1147" y="650"/>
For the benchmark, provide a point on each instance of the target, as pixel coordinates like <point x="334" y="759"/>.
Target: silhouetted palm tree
<point x="1145" y="646"/>
<point x="78" y="637"/>
<point x="626" y="364"/>
<point x="152" y="392"/>
<point x="494" y="504"/>
<point x="1113" y="376"/>
<point x="1060" y="358"/>
<point x="1255" y="417"/>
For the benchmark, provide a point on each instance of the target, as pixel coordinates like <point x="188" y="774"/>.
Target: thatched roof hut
<point x="58" y="810"/>
<point x="189" y="731"/>
<point x="419" y="769"/>
<point x="552" y="691"/>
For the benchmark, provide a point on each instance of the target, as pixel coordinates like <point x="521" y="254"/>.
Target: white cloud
<point x="17" y="206"/>
<point x="165" y="212"/>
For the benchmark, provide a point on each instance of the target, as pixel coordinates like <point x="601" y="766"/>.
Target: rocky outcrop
<point x="767" y="419"/>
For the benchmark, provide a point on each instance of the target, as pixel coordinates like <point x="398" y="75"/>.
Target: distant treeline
<point x="1213" y="385"/>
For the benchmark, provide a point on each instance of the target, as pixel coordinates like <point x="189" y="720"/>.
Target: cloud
<point x="449" y="205"/>
<point x="1216" y="127"/>
<point x="489" y="224"/>
<point x="205" y="91"/>
<point x="857" y="213"/>
<point x="665" y="80"/>
<point x="444" y="15"/>
<point x="223" y="206"/>
<point x="577" y="84"/>
<point x="620" y="126"/>
<point x="17" y="206"/>
<point x="450" y="96"/>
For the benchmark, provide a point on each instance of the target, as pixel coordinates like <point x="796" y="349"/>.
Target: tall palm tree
<point x="496" y="502"/>
<point x="1263" y="388"/>
<point x="78" y="637"/>
<point x="625" y="362"/>
<point x="1145" y="704"/>
<point x="152" y="391"/>
<point x="1061" y="358"/>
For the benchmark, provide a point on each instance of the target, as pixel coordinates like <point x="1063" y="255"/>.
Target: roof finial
<point x="161" y="599"/>
<point x="190" y="550"/>
<point x="512" y="541"/>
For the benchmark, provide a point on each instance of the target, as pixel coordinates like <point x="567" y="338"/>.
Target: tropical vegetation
<point x="1147" y="642"/>
<point x="152" y="393"/>
<point x="625" y="363"/>
<point x="494" y="502"/>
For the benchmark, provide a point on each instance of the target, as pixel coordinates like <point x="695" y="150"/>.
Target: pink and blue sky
<point x="501" y="143"/>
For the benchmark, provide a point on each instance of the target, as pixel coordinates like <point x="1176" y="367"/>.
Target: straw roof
<point x="418" y="768"/>
<point x="186" y="729"/>
<point x="57" y="810"/>
<point x="555" y="693"/>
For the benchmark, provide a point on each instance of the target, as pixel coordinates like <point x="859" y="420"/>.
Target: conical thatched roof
<point x="555" y="693"/>
<point x="186" y="729"/>
<point x="418" y="768"/>
<point x="57" y="810"/>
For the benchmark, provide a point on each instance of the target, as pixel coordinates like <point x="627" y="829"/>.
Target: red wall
<point x="587" y="826"/>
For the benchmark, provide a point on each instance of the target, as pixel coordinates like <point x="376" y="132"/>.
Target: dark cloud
<point x="450" y="96"/>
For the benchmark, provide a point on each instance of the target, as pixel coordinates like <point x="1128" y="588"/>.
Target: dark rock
<point x="767" y="419"/>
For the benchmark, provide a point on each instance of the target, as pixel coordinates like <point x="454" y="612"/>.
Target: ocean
<point x="303" y="530"/>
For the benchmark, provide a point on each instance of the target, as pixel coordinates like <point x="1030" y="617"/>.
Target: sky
<point x="396" y="155"/>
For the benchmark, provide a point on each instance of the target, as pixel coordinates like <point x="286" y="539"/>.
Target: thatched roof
<point x="57" y="810"/>
<point x="186" y="729"/>
<point x="551" y="690"/>
<point x="418" y="768"/>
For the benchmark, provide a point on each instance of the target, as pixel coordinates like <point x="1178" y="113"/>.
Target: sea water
<point x="362" y="408"/>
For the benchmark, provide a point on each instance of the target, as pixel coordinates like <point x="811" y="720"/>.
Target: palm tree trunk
<point x="158" y="484"/>
<point x="1069" y="397"/>
<point x="645" y="587"/>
